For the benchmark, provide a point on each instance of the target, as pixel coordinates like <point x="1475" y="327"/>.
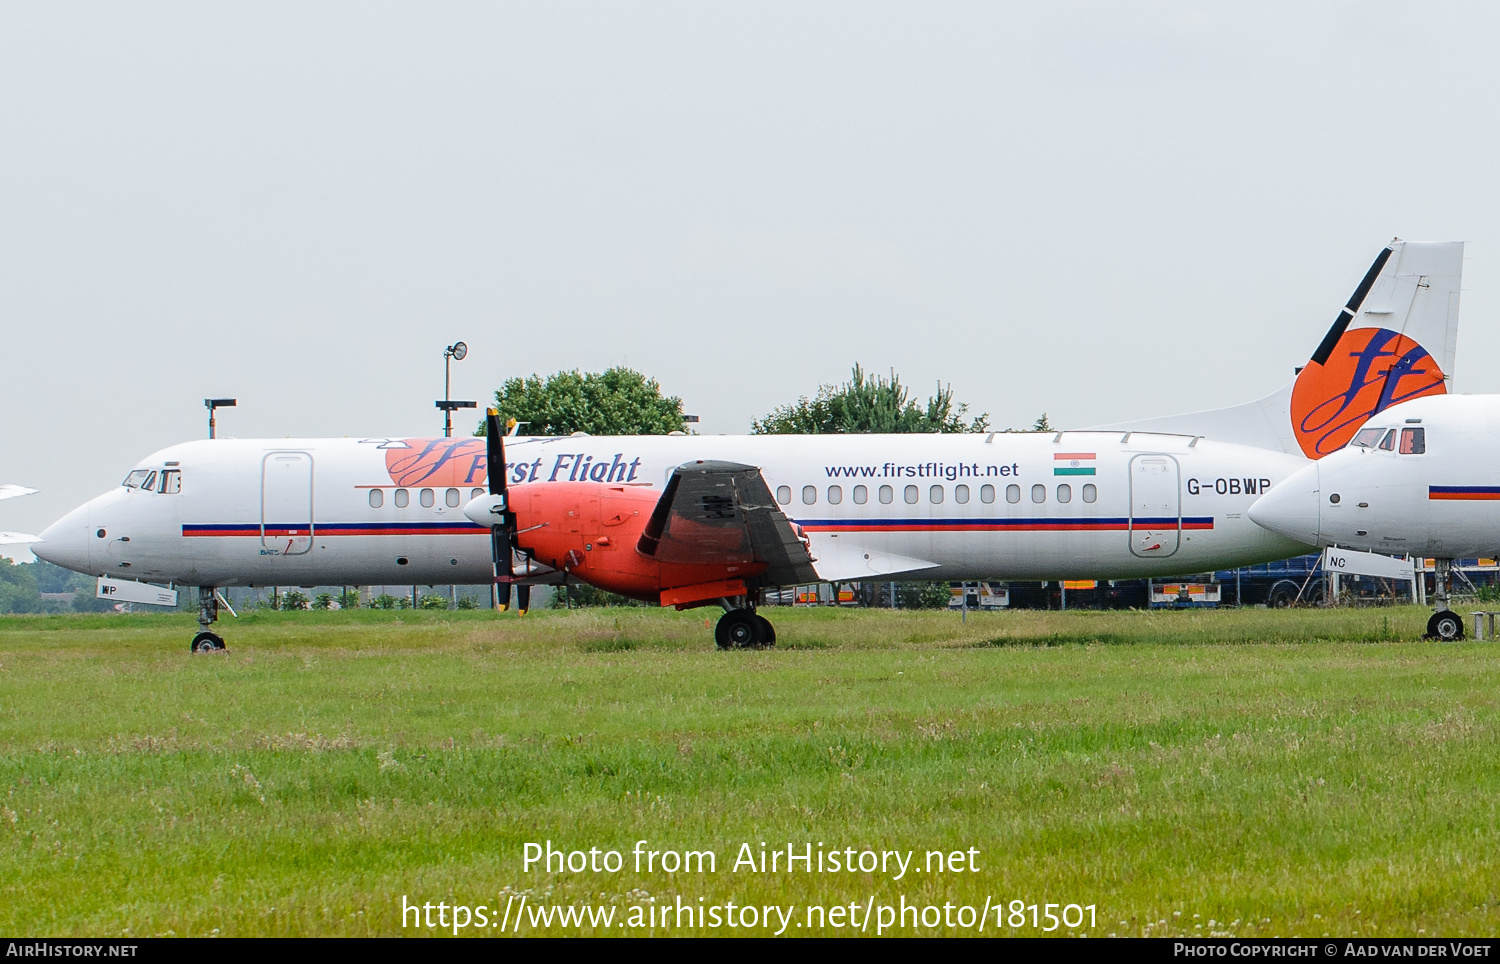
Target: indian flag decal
<point x="1073" y="463"/>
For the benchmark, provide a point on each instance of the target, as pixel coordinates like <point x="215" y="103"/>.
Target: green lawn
<point x="1254" y="772"/>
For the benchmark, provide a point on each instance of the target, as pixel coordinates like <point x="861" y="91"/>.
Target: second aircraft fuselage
<point x="390" y="510"/>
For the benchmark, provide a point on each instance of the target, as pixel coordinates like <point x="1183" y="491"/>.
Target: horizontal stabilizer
<point x="837" y="558"/>
<point x="8" y="491"/>
<point x="17" y="538"/>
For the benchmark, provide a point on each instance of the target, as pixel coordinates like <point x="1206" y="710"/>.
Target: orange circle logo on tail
<point x="1369" y="370"/>
<point x="438" y="461"/>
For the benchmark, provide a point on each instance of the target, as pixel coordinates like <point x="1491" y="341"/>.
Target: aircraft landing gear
<point x="1445" y="625"/>
<point x="744" y="629"/>
<point x="207" y="641"/>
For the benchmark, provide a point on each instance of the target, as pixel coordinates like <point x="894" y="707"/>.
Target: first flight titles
<point x="805" y="857"/>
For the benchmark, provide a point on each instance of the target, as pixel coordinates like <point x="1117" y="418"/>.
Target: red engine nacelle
<point x="593" y="531"/>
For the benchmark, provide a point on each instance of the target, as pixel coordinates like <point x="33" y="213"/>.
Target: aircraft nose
<point x="1292" y="507"/>
<point x="67" y="541"/>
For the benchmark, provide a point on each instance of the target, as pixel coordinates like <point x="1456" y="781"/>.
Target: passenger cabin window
<point x="886" y="494"/>
<point x="1368" y="437"/>
<point x="1012" y="494"/>
<point x="1389" y="442"/>
<point x="402" y="498"/>
<point x="861" y="495"/>
<point x="475" y="493"/>
<point x="935" y="495"/>
<point x="451" y="497"/>
<point x="427" y="498"/>
<point x="809" y="494"/>
<point x="835" y="495"/>
<point x="1065" y="493"/>
<point x="961" y="494"/>
<point x="171" y="482"/>
<point x="986" y="494"/>
<point x="1090" y="493"/>
<point x="910" y="495"/>
<point x="377" y="498"/>
<point x="1039" y="493"/>
<point x="1413" y="441"/>
<point x="784" y="494"/>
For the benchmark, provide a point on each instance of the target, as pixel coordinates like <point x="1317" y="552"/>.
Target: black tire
<point x="1282" y="595"/>
<point x="737" y="629"/>
<point x="206" y="642"/>
<point x="1445" y="626"/>
<point x="766" y="635"/>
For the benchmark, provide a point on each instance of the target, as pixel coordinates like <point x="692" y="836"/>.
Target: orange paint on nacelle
<point x="592" y="529"/>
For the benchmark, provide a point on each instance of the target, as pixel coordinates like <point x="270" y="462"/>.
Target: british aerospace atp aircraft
<point x="690" y="521"/>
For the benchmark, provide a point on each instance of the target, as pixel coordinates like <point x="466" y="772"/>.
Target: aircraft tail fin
<point x="1395" y="339"/>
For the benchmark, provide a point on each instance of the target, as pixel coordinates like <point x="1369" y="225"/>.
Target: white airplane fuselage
<point x="1422" y="477"/>
<point x="390" y="511"/>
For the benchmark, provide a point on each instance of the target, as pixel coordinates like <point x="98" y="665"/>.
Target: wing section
<point x="723" y="512"/>
<point x="8" y="491"/>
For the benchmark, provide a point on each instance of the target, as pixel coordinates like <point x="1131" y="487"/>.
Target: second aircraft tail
<point x="1394" y="340"/>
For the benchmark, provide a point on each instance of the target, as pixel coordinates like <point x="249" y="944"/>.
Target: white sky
<point x="1100" y="210"/>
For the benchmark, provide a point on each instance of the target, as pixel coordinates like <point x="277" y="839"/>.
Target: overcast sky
<point x="1100" y="210"/>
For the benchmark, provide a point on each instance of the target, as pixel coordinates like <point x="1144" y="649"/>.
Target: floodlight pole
<point x="213" y="403"/>
<point x="456" y="350"/>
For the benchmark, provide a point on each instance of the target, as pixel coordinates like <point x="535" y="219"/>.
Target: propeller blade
<point x="502" y="530"/>
<point x="494" y="441"/>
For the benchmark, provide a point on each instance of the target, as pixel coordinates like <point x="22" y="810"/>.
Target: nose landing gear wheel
<point x="1445" y="626"/>
<point x="207" y="642"/>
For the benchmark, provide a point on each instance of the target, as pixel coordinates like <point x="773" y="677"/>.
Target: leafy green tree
<point x="616" y="402"/>
<point x="349" y="598"/>
<point x="323" y="600"/>
<point x="873" y="404"/>
<point x="18" y="588"/>
<point x="294" y="600"/>
<point x="433" y="600"/>
<point x="383" y="601"/>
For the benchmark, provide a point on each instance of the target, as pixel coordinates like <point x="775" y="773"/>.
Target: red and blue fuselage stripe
<point x="1002" y="525"/>
<point x="254" y="529"/>
<point x="1478" y="493"/>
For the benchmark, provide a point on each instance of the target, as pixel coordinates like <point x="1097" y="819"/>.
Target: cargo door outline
<point x="286" y="503"/>
<point x="1155" y="506"/>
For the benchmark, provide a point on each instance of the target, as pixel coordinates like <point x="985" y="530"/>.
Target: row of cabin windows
<point x="935" y="494"/>
<point x="401" y="498"/>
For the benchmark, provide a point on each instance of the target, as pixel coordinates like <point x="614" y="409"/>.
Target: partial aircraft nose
<point x="67" y="541"/>
<point x="1292" y="507"/>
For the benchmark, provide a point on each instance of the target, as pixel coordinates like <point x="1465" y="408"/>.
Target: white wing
<point x="12" y="491"/>
<point x="15" y="538"/>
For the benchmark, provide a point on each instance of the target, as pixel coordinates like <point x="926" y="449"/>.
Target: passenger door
<point x="286" y="503"/>
<point x="1155" y="506"/>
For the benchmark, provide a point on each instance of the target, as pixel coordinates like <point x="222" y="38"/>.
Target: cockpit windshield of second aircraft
<point x="164" y="482"/>
<point x="1413" y="441"/>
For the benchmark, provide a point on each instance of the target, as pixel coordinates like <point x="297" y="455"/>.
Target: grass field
<point x="1252" y="772"/>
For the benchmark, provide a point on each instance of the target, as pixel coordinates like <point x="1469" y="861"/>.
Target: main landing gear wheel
<point x="1445" y="626"/>
<point x="206" y="642"/>
<point x="744" y="629"/>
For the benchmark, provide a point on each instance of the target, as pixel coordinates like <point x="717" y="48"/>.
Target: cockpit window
<point x="1413" y="441"/>
<point x="171" y="481"/>
<point x="138" y="478"/>
<point x="1389" y="442"/>
<point x="1367" y="437"/>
